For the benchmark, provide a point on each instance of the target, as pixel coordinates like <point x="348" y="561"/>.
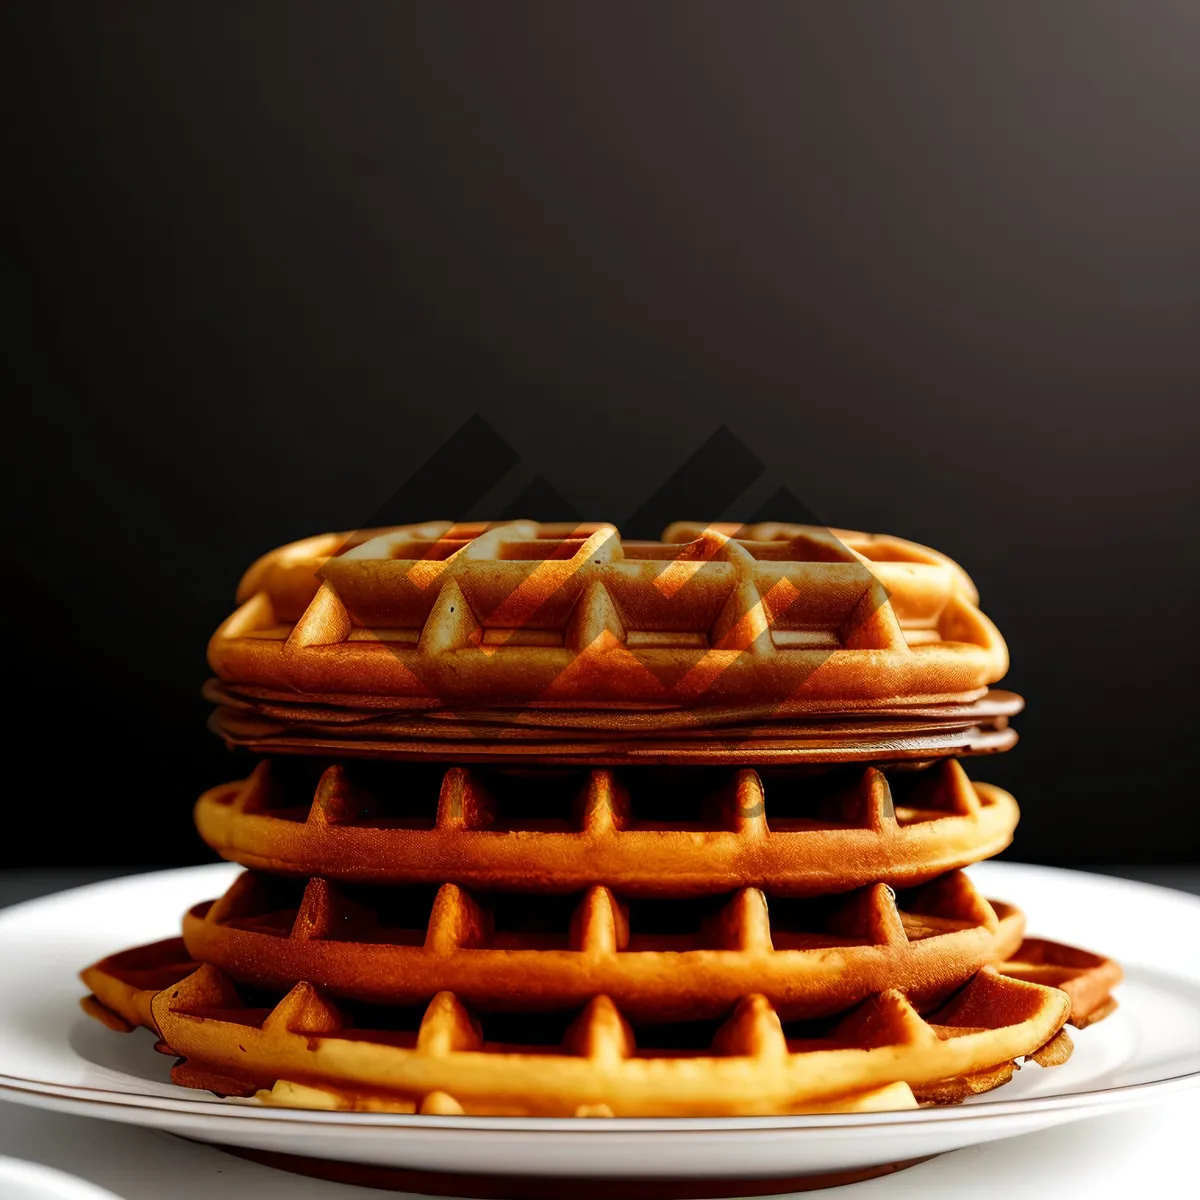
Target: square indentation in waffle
<point x="543" y="799"/>
<point x="683" y="798"/>
<point x="361" y="793"/>
<point x="312" y="910"/>
<point x="521" y="921"/>
<point x="853" y="797"/>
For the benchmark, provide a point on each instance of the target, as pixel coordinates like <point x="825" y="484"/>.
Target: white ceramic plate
<point x="20" y="1180"/>
<point x="52" y="1056"/>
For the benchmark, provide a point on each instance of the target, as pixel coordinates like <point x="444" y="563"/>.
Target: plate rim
<point x="825" y="1122"/>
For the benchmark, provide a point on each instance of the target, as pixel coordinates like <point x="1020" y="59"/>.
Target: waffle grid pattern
<point x="789" y="834"/>
<point x="308" y="1051"/>
<point x="658" y="959"/>
<point x="573" y="615"/>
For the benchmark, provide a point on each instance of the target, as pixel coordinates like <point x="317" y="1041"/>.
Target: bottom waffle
<point x="303" y="1050"/>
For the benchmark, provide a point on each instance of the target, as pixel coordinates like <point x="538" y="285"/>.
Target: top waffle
<point x="788" y="617"/>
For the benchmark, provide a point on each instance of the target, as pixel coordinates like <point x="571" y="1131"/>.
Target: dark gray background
<point x="935" y="264"/>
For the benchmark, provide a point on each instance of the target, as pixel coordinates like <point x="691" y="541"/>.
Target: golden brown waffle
<point x="125" y="983"/>
<point x="656" y="959"/>
<point x="573" y="616"/>
<point x="610" y="736"/>
<point x="310" y="1052"/>
<point x="1086" y="977"/>
<point x="642" y="832"/>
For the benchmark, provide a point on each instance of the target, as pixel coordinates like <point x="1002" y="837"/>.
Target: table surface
<point x="1109" y="1156"/>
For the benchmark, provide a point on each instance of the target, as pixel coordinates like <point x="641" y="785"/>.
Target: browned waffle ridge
<point x="789" y="834"/>
<point x="574" y="616"/>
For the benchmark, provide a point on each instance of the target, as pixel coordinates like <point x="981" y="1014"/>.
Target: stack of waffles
<point x="544" y="821"/>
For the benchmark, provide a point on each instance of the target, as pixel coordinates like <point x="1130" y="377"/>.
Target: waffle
<point x="598" y="759"/>
<point x="642" y="831"/>
<point x="1087" y="978"/>
<point x="572" y="616"/>
<point x="657" y="959"/>
<point x="278" y="725"/>
<point x="303" y="1050"/>
<point x="124" y="984"/>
